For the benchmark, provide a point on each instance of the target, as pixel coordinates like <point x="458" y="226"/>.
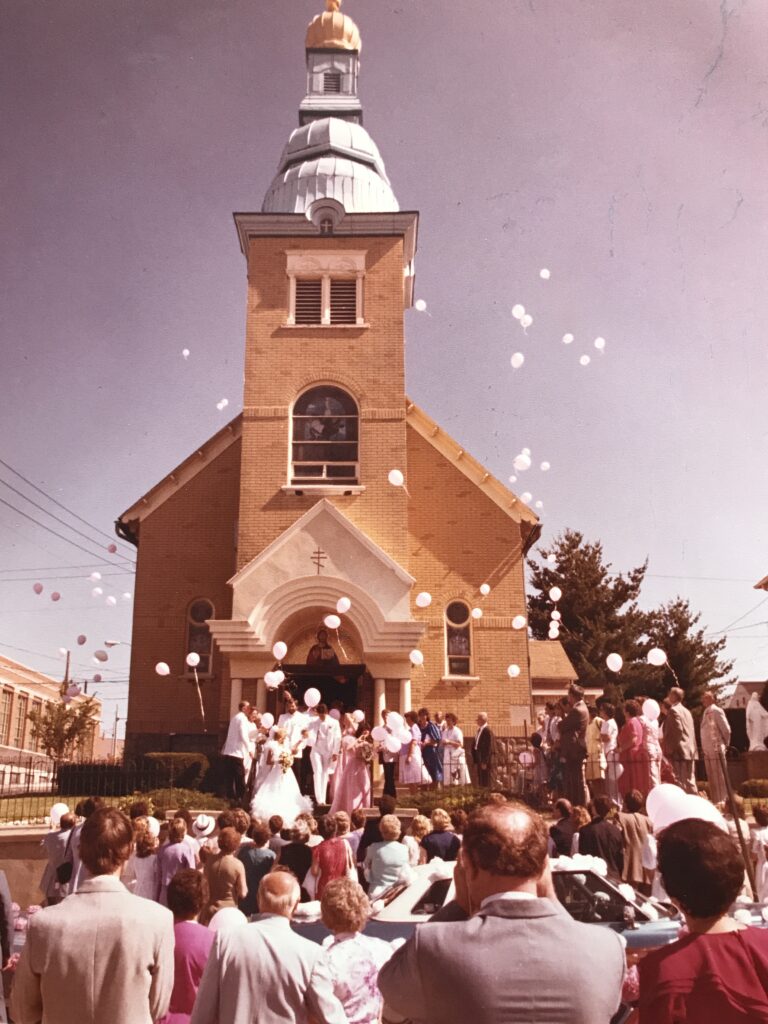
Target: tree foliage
<point x="600" y="615"/>
<point x="61" y="729"/>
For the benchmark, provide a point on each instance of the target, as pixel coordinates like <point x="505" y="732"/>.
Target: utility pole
<point x="114" y="735"/>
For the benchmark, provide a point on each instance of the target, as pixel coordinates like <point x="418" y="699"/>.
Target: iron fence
<point x="29" y="785"/>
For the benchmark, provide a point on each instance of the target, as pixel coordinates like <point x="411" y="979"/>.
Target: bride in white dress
<point x="279" y="792"/>
<point x="455" y="771"/>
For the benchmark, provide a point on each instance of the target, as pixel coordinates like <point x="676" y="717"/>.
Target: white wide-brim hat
<point x="153" y="826"/>
<point x="203" y="825"/>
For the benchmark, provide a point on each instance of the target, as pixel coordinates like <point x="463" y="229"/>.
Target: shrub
<point x="172" y="799"/>
<point x="754" y="788"/>
<point x="179" y="769"/>
<point x="452" y="798"/>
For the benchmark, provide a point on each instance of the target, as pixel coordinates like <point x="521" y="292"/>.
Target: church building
<point x="331" y="486"/>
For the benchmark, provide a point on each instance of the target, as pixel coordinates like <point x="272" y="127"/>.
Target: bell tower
<point x="330" y="272"/>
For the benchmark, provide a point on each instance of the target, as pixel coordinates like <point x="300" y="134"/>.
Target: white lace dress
<point x="278" y="791"/>
<point x="455" y="771"/>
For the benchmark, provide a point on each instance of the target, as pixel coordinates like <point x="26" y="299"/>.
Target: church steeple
<point x="333" y="62"/>
<point x="331" y="155"/>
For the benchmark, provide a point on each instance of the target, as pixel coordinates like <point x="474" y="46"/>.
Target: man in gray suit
<point x="679" y="740"/>
<point x="263" y="972"/>
<point x="103" y="955"/>
<point x="573" y="746"/>
<point x="516" y="957"/>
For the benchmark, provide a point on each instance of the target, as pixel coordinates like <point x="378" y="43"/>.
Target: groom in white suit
<point x="325" y="742"/>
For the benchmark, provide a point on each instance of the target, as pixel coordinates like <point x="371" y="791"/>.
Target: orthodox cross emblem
<point x="318" y="558"/>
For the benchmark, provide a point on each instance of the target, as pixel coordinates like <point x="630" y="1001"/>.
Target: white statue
<point x="757" y="723"/>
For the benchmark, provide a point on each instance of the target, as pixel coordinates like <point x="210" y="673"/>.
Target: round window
<point x="457" y="613"/>
<point x="200" y="611"/>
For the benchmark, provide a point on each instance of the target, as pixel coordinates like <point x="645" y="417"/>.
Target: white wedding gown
<point x="278" y="791"/>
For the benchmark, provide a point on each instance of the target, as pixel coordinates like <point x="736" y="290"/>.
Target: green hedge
<point x="185" y="770"/>
<point x="754" y="787"/>
<point x="452" y="798"/>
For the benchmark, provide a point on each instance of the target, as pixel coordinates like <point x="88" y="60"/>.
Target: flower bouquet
<point x="285" y="760"/>
<point x="365" y="751"/>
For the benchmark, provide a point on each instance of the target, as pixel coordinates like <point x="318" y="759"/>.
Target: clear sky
<point x="621" y="145"/>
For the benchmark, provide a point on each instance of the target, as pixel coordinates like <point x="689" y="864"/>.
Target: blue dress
<point x="431" y="754"/>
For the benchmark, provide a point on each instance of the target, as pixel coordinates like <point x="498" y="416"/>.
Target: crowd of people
<point x="189" y="921"/>
<point x="323" y="756"/>
<point x="583" y="752"/>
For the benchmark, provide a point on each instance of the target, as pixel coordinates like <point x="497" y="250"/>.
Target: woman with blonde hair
<point x="580" y="817"/>
<point x="442" y="841"/>
<point x="173" y="857"/>
<point x="141" y="874"/>
<point x="420" y="826"/>
<point x="353" y="960"/>
<point x="385" y="860"/>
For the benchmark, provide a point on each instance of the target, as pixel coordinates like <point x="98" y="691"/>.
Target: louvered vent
<point x="309" y="301"/>
<point x="332" y="81"/>
<point x="344" y="301"/>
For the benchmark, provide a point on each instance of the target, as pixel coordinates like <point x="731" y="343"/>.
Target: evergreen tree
<point x="598" y="608"/>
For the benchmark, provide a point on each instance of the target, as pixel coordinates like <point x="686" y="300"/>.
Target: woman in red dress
<point x="718" y="972"/>
<point x="632" y="753"/>
<point x="332" y="858"/>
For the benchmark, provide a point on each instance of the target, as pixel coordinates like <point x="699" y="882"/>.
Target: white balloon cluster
<point x="273" y="679"/>
<point x="222" y="404"/>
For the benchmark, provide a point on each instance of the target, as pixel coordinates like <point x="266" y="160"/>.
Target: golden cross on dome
<point x="333" y="5"/>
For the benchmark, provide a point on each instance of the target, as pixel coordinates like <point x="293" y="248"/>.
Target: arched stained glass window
<point x="324" y="444"/>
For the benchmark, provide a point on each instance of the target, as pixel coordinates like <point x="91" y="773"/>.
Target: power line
<point x="51" y="568"/>
<point x="56" y="518"/>
<point x="71" y="576"/>
<point x="69" y="511"/>
<point x="758" y="605"/>
<point x="49" y="529"/>
<point x="709" y="579"/>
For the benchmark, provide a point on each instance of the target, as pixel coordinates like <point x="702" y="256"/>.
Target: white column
<point x="261" y="694"/>
<point x="379" y="703"/>
<point x="235" y="695"/>
<point x="405" y="696"/>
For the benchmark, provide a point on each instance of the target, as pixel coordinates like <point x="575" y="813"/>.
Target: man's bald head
<point x="506" y="841"/>
<point x="279" y="893"/>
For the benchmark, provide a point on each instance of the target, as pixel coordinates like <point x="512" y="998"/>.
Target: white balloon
<point x="539" y="505"/>
<point x="526" y="321"/>
<point x="485" y="589"/>
<point x="335" y="713"/>
<point x="97" y="677"/>
<point x="600" y="344"/>
<point x="63" y="652"/>
<point x="526" y="451"/>
<point x="396" y="478"/>
<point x="111" y="601"/>
<point x="517" y="360"/>
<point x="185" y="353"/>
<point x="269" y="680"/>
<point x="267" y="720"/>
<point x="555" y="615"/>
<point x="656" y="657"/>
<point x="553" y="634"/>
<point x="280" y="650"/>
<point x="518" y="311"/>
<point x="651" y="709"/>
<point x="519" y="622"/>
<point x="522" y="462"/>
<point x="477" y="613"/>
<point x="417" y="658"/>
<point x="585" y="360"/>
<point x="358" y="716"/>
<point x="97" y="592"/>
<point x="343" y="605"/>
<point x="38" y="588"/>
<point x="279" y="676"/>
<point x="392" y="744"/>
<point x="193" y="659"/>
<point x="223" y="403"/>
<point x="332" y="621"/>
<point x="56" y="812"/>
<point x="544" y="467"/>
<point x="379" y="733"/>
<point x="423" y="600"/>
<point x="614" y="662"/>
<point x="555" y="594"/>
<point x="82" y="639"/>
<point x="544" y="274"/>
<point x="112" y="549"/>
<point x="101" y="656"/>
<point x="312" y="697"/>
<point x="567" y="339"/>
<point x="162" y="669"/>
<point x="513" y="671"/>
<point x="55" y="596"/>
<point x="420" y="305"/>
<point x="95" y="576"/>
<point x="513" y="479"/>
<point x="526" y="497"/>
<point x="394" y="720"/>
<point x="127" y="596"/>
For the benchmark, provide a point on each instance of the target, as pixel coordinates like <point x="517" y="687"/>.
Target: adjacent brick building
<point x="256" y="536"/>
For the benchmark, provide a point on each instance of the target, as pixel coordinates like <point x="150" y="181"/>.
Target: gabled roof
<point x="549" y="660"/>
<point x="184" y="472"/>
<point x="473" y="470"/>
